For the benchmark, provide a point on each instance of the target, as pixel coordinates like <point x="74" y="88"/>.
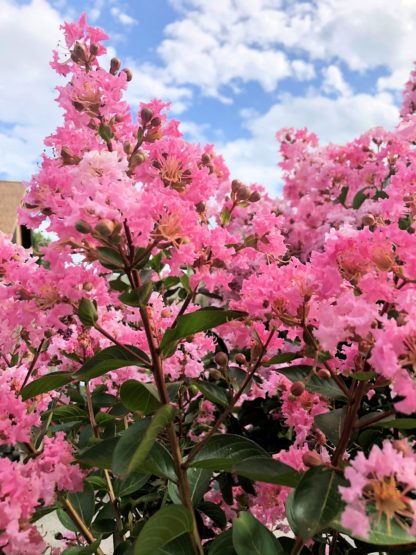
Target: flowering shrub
<point x="191" y="365"/>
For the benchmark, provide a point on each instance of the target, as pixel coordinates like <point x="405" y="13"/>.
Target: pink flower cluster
<point x="327" y="273"/>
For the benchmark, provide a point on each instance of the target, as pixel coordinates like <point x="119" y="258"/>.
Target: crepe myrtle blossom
<point x="150" y="234"/>
<point x="382" y="485"/>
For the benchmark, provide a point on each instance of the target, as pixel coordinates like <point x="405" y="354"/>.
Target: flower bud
<point x="324" y="374"/>
<point x="88" y="286"/>
<point x="115" y="65"/>
<point x="235" y="185"/>
<point x="221" y="358"/>
<point x="311" y="459"/>
<point x="368" y="219"/>
<point x="127" y="147"/>
<point x="240" y="358"/>
<point x="206" y="158"/>
<point x="243" y="194"/>
<point x="156" y="121"/>
<point x="254" y="197"/>
<point x="83" y="227"/>
<point x="105" y="227"/>
<point x="138" y="158"/>
<point x="215" y="374"/>
<point x="128" y="73"/>
<point x="297" y="389"/>
<point x="146" y="115"/>
<point x="94" y="49"/>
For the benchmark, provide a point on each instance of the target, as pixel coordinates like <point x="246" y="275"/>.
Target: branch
<point x="223" y="416"/>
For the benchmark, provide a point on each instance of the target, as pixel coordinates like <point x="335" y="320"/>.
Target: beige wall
<point x="11" y="193"/>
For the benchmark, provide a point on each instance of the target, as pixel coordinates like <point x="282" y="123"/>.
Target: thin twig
<point x="223" y="416"/>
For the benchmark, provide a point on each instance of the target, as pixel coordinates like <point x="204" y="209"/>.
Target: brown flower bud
<point x="221" y="358"/>
<point x="88" y="286"/>
<point x="94" y="49"/>
<point x="297" y="389"/>
<point x="127" y="147"/>
<point x="83" y="227"/>
<point x="311" y="458"/>
<point x="138" y="158"/>
<point x="324" y="374"/>
<point x="236" y="185"/>
<point x="368" y="219"/>
<point x="156" y="121"/>
<point x="206" y="158"/>
<point x="128" y="73"/>
<point x="115" y="65"/>
<point x="254" y="197"/>
<point x="240" y="358"/>
<point x="243" y="194"/>
<point x="105" y="227"/>
<point x="215" y="374"/>
<point x="146" y="115"/>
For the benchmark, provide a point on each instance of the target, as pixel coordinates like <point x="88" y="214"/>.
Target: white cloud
<point x="334" y="81"/>
<point x="27" y="108"/>
<point x="122" y="17"/>
<point x="362" y="34"/>
<point x="335" y="120"/>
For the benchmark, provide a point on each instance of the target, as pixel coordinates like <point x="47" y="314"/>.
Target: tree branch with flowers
<point x="193" y="367"/>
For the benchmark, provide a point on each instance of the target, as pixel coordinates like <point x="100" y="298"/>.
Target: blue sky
<point x="235" y="70"/>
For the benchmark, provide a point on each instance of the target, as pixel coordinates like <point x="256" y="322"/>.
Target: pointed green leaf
<point x="87" y="312"/>
<point x="250" y="537"/>
<point x="331" y="423"/>
<point x="139" y="296"/>
<point x="46" y="383"/>
<point x="213" y="392"/>
<point x="160" y="420"/>
<point x="223" y="451"/>
<point x="316" y="501"/>
<point x="198" y="479"/>
<point x="160" y="463"/>
<point x="223" y="544"/>
<point x="267" y="470"/>
<point x="163" y="527"/>
<point x="200" y="320"/>
<point x="281" y="358"/>
<point x="109" y="359"/>
<point x="84" y="504"/>
<point x="326" y="388"/>
<point x="138" y="396"/>
<point x="100" y="454"/>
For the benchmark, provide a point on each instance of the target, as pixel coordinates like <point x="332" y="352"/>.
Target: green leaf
<point x="180" y="546"/>
<point x="326" y="388"/>
<point x="87" y="312"/>
<point x="379" y="534"/>
<point x="214" y="512"/>
<point x="267" y="470"/>
<point x="223" y="544"/>
<point x="84" y="504"/>
<point x="109" y="258"/>
<point x="109" y="359"/>
<point x="316" y="501"/>
<point x="135" y="446"/>
<point x="132" y="483"/>
<point x="105" y="132"/>
<point x="343" y="195"/>
<point x="69" y="413"/>
<point x="213" y="392"/>
<point x="127" y="446"/>
<point x="164" y="415"/>
<point x="46" y="383"/>
<point x="198" y="479"/>
<point x="225" y="216"/>
<point x="398" y="423"/>
<point x="163" y="527"/>
<point x="160" y="463"/>
<point x="138" y="396"/>
<point x="359" y="198"/>
<point x="331" y="423"/>
<point x="82" y="550"/>
<point x="99" y="455"/>
<point x="250" y="537"/>
<point x="223" y="451"/>
<point x="139" y="296"/>
<point x="200" y="320"/>
<point x="281" y="358"/>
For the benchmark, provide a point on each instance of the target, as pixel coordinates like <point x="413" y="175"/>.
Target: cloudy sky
<point x="235" y="70"/>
